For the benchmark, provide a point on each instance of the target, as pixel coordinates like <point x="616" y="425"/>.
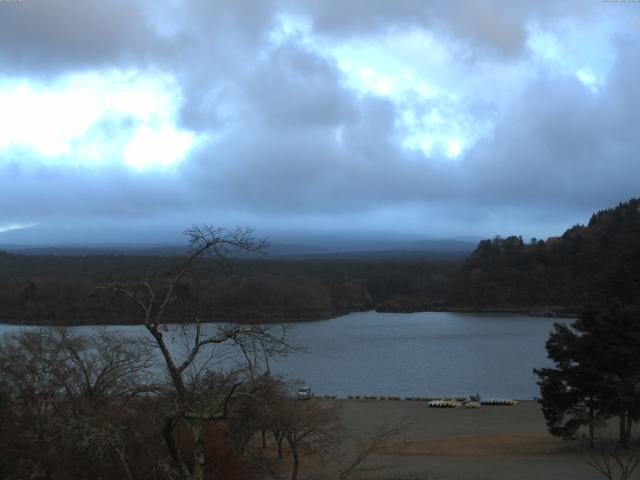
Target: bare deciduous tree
<point x="67" y="395"/>
<point x="612" y="459"/>
<point x="305" y="423"/>
<point x="345" y="455"/>
<point x="199" y="397"/>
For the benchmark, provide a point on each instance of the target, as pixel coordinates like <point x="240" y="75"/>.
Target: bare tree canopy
<point x="198" y="396"/>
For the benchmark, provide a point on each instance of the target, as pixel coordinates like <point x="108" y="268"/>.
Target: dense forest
<point x="56" y="289"/>
<point x="558" y="275"/>
<point x="586" y="265"/>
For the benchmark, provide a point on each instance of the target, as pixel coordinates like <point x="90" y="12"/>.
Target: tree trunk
<point x="592" y="420"/>
<point x="264" y="438"/>
<point x="279" y="441"/>
<point x="167" y="433"/>
<point x="296" y="464"/>
<point x="278" y="438"/>
<point x="125" y="464"/>
<point x="174" y="372"/>
<point x="198" y="450"/>
<point x="623" y="429"/>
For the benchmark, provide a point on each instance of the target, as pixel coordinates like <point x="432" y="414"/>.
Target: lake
<point x="414" y="354"/>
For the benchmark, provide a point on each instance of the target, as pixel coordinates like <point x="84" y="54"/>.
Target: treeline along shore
<point x="56" y="289"/>
<point x="554" y="276"/>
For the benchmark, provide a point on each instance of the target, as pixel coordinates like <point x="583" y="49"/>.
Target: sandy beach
<point x="488" y="443"/>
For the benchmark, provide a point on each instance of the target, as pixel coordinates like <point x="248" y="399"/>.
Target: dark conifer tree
<point x="596" y="374"/>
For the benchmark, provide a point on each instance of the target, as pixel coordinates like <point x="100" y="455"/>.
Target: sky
<point x="129" y="121"/>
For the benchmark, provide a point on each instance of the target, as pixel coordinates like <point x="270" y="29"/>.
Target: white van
<point x="304" y="393"/>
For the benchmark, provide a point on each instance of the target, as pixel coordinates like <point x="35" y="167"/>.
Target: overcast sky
<point x="131" y="120"/>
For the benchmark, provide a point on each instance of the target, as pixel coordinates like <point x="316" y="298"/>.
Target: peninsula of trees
<point x="586" y="265"/>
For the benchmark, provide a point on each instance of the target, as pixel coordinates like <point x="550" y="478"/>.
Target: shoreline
<point x="537" y="311"/>
<point x="417" y="399"/>
<point x="531" y="312"/>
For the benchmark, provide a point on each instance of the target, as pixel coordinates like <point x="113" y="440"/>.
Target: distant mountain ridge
<point x="589" y="263"/>
<point x="277" y="250"/>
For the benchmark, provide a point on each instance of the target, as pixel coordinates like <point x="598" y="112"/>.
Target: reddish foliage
<point x="222" y="461"/>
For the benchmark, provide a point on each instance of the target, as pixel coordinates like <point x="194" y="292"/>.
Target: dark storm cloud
<point x="289" y="138"/>
<point x="43" y="193"/>
<point x="53" y="35"/>
<point x="559" y="148"/>
<point x="59" y="35"/>
<point x="561" y="144"/>
<point x="302" y="170"/>
<point x="348" y="164"/>
<point x="502" y="27"/>
<point x="495" y="24"/>
<point x="218" y="44"/>
<point x="295" y="88"/>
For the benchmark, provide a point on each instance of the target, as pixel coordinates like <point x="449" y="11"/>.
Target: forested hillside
<point x="585" y="265"/>
<point x="55" y="289"/>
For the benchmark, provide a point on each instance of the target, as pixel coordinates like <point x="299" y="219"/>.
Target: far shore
<point x="557" y="312"/>
<point x="532" y="311"/>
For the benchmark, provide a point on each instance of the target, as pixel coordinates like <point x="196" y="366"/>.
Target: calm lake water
<point x="415" y="354"/>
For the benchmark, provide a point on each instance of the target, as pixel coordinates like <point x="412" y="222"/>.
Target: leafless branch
<point x="613" y="460"/>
